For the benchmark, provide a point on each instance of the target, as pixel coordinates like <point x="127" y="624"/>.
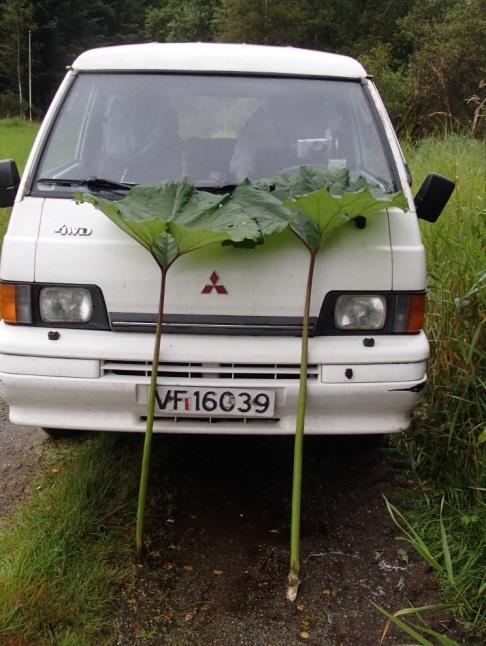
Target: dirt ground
<point x="218" y="533"/>
<point x="217" y="542"/>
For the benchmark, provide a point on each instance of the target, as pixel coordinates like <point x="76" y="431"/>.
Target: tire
<point x="61" y="433"/>
<point x="371" y="442"/>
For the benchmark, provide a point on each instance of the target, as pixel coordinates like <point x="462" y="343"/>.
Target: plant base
<point x="292" y="587"/>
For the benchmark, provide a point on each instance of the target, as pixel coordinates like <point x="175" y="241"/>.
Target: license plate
<point x="213" y="402"/>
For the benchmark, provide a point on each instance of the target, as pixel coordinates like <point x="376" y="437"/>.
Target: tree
<point x="67" y="28"/>
<point x="17" y="18"/>
<point x="448" y="63"/>
<point x="394" y="81"/>
<point x="173" y="20"/>
<point x="266" y="22"/>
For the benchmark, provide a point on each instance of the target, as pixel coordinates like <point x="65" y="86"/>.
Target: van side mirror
<point x="9" y="182"/>
<point x="432" y="196"/>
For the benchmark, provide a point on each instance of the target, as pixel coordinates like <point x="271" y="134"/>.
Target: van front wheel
<point x="372" y="442"/>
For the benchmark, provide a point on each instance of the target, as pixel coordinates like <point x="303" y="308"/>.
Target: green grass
<point x="446" y="446"/>
<point x="16" y="139"/>
<point x="66" y="553"/>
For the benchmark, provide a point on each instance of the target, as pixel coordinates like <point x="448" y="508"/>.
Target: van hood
<point x="79" y="245"/>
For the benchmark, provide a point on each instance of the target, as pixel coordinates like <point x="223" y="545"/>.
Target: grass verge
<point x="16" y="138"/>
<point x="446" y="517"/>
<point x="67" y="551"/>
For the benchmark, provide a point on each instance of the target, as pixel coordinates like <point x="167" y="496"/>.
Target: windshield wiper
<point x="92" y="184"/>
<point x="100" y="183"/>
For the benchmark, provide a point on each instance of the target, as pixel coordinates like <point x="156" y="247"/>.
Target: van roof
<point x="219" y="57"/>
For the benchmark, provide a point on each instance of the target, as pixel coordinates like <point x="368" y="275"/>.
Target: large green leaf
<point x="189" y="239"/>
<point x="250" y="200"/>
<point x="168" y="201"/>
<point x="330" y="212"/>
<point x="144" y="231"/>
<point x="173" y="218"/>
<point x="366" y="200"/>
<point x="306" y="229"/>
<point x="323" y="210"/>
<point x="332" y="201"/>
<point x="306" y="180"/>
<point x="164" y="249"/>
<point x="322" y="201"/>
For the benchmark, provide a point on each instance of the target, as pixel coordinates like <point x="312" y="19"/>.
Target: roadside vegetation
<point x="16" y="137"/>
<point x="444" y="515"/>
<point x="65" y="555"/>
<point x="428" y="57"/>
<point x="67" y="552"/>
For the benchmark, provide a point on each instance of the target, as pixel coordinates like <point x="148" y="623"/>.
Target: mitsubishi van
<point x="79" y="297"/>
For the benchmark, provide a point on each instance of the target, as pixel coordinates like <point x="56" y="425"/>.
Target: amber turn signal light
<point x="409" y="312"/>
<point x="8" y="309"/>
<point x="15" y="303"/>
<point x="416" y="312"/>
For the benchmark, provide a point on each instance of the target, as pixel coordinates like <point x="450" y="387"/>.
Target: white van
<point x="79" y="297"/>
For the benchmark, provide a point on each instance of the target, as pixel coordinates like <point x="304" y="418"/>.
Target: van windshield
<point x="216" y="130"/>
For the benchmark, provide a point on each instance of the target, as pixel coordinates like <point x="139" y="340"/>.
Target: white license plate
<point x="212" y="402"/>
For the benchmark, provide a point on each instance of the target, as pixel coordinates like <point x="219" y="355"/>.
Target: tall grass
<point x="455" y="320"/>
<point x="446" y="447"/>
<point x="16" y="138"/>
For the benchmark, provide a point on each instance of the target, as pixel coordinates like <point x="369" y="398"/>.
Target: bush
<point x="9" y="104"/>
<point x="393" y="81"/>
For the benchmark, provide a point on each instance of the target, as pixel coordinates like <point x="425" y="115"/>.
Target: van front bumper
<point x="92" y="380"/>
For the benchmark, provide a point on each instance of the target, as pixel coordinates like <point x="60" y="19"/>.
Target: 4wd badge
<point x="73" y="231"/>
<point x="214" y="278"/>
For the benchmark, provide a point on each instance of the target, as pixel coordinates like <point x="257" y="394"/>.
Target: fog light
<point x="360" y="312"/>
<point x="65" y="305"/>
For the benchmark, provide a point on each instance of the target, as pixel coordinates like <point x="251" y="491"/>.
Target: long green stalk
<point x="142" y="494"/>
<point x="294" y="580"/>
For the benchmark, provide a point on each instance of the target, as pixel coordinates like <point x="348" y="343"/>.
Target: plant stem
<point x="142" y="494"/>
<point x="294" y="581"/>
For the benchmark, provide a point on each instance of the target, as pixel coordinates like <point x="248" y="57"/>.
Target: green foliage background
<point x="428" y="57"/>
<point x="446" y="447"/>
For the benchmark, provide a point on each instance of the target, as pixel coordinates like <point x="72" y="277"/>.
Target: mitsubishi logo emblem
<point x="220" y="289"/>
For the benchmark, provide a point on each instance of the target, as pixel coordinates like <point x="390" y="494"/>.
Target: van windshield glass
<point x="216" y="130"/>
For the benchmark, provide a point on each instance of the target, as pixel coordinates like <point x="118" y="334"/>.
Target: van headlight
<point x="65" y="305"/>
<point x="360" y="312"/>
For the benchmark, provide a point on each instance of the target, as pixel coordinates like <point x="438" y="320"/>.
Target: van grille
<point x="272" y="371"/>
<point x="212" y="324"/>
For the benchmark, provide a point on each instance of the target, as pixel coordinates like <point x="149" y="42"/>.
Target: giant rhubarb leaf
<point x="321" y="202"/>
<point x="170" y="220"/>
